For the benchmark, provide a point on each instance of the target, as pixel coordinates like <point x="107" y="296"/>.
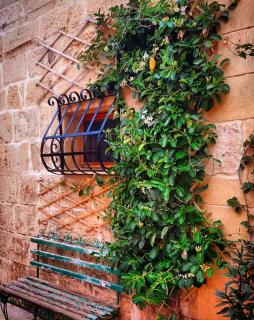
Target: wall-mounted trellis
<point x="59" y="63"/>
<point x="62" y="208"/>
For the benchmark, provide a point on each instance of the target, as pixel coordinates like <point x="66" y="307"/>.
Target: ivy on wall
<point x="163" y="51"/>
<point x="237" y="298"/>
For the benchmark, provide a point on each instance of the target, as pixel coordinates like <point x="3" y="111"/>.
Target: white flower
<point x="183" y="9"/>
<point x="146" y="55"/>
<point x="148" y="121"/>
<point x="184" y="255"/>
<point x="106" y="49"/>
<point x="180" y="35"/>
<point x="131" y="79"/>
<point x="165" y="40"/>
<point x="123" y="83"/>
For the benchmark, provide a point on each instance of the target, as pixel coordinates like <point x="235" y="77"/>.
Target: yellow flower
<point x="152" y="64"/>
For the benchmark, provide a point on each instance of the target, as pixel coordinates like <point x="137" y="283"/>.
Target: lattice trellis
<point x="60" y="61"/>
<point x="62" y="208"/>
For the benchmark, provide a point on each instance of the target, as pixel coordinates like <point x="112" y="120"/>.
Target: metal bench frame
<point x="78" y="304"/>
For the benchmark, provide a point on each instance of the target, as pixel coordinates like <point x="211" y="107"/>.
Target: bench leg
<point x="4" y="309"/>
<point x="35" y="311"/>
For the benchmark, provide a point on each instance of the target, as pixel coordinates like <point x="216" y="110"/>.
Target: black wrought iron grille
<point x="74" y="142"/>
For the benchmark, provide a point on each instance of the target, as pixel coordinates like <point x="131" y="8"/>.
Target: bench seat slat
<point x="19" y="287"/>
<point x="60" y="296"/>
<point x="38" y="301"/>
<point x="76" y="262"/>
<point x="66" y="246"/>
<point x="79" y="276"/>
<point x="54" y="287"/>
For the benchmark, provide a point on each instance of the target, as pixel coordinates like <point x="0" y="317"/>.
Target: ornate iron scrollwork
<point x="74" y="142"/>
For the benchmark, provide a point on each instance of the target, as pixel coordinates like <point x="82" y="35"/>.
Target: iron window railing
<point x="74" y="142"/>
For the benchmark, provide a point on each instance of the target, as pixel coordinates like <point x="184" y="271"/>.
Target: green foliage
<point x="237" y="299"/>
<point x="244" y="50"/>
<point x="247" y="186"/>
<point x="163" y="53"/>
<point x="235" y="204"/>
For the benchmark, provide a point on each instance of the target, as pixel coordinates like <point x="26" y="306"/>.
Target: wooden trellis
<point x="62" y="208"/>
<point x="63" y="58"/>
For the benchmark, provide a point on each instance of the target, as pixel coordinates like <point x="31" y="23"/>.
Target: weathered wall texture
<point x="23" y="121"/>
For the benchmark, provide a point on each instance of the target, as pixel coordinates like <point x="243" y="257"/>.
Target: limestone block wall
<point x="23" y="121"/>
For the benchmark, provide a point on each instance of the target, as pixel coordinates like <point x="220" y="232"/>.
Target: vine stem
<point x="250" y="228"/>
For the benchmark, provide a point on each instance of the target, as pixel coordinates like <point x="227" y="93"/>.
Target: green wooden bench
<point x="49" y="301"/>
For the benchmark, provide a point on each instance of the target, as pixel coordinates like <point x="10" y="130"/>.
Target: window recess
<point x="74" y="142"/>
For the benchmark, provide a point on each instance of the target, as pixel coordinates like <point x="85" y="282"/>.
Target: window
<point x="90" y="142"/>
<point x="74" y="142"/>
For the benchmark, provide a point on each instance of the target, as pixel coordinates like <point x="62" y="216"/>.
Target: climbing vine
<point x="163" y="52"/>
<point x="237" y="299"/>
<point x="246" y="186"/>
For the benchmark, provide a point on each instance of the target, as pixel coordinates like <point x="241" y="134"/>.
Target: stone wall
<point x="23" y="121"/>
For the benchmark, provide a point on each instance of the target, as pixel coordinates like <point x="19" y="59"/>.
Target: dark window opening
<point x="91" y="142"/>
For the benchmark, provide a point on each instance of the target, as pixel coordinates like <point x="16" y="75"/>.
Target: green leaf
<point x="164" y="231"/>
<point x="200" y="276"/>
<point x="134" y="95"/>
<point x="245" y="224"/>
<point x="153" y="239"/>
<point x="99" y="180"/>
<point x="166" y="194"/>
<point x="187" y="266"/>
<point x="197" y="237"/>
<point x="219" y="262"/>
<point x="180" y="191"/>
<point x="224" y="61"/>
<point x="180" y="154"/>
<point x="215" y="58"/>
<point x="88" y="190"/>
<point x="248" y="187"/>
<point x="195" y="146"/>
<point x="153" y="253"/>
<point x="235" y="204"/>
<point x="161" y="24"/>
<point x="194" y="269"/>
<point x="164" y="141"/>
<point x="199" y="61"/>
<point x="210" y="272"/>
<point x="81" y="193"/>
<point x="208" y="43"/>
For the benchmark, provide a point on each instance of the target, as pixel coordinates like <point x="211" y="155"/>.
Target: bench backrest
<point x="86" y="250"/>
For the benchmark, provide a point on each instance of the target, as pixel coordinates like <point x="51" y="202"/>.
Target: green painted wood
<point x="79" y="276"/>
<point x="77" y="262"/>
<point x="92" y="307"/>
<point x="65" y="246"/>
<point x="49" y="286"/>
